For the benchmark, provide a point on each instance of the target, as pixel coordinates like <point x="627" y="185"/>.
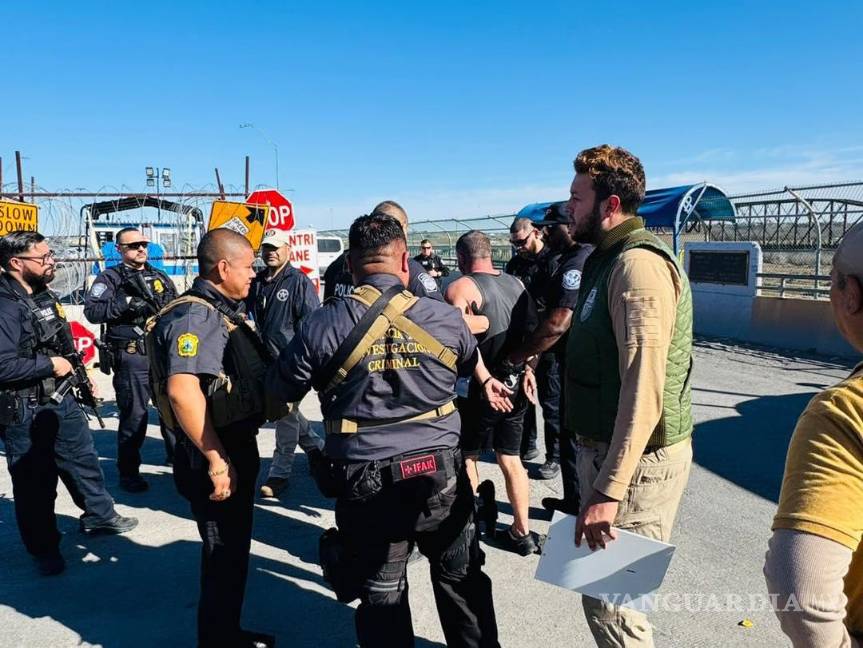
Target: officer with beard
<point x="551" y="334"/>
<point x="123" y="297"/>
<point x="43" y="439"/>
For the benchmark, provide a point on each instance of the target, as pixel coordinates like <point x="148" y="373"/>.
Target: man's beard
<point x="37" y="282"/>
<point x="590" y="230"/>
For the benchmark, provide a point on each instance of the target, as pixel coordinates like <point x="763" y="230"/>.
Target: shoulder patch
<point x="428" y="282"/>
<point x="98" y="289"/>
<point x="282" y="295"/>
<point x="187" y="345"/>
<point x="572" y="279"/>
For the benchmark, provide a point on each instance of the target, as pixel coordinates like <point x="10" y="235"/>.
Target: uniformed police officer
<point x="279" y="298"/>
<point x="44" y="439"/>
<point x="550" y="335"/>
<point x="338" y="280"/>
<point x="385" y="364"/>
<point x="123" y="297"/>
<point x="431" y="262"/>
<point x="534" y="263"/>
<point x="206" y="366"/>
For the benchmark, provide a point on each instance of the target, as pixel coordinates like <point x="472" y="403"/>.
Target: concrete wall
<point x="741" y="313"/>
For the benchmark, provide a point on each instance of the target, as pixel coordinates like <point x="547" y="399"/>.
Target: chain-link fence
<point x="798" y="229"/>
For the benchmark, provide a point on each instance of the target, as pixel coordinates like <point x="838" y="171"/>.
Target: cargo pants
<point x="649" y="508"/>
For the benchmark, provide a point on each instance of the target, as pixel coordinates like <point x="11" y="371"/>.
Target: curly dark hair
<point x="615" y="172"/>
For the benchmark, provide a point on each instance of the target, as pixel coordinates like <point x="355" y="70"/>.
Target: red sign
<point x="85" y="341"/>
<point x="281" y="210"/>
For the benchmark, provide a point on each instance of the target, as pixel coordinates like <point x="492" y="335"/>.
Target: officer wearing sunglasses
<point x="121" y="299"/>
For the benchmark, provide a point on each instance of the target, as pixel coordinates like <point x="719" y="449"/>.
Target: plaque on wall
<point x="726" y="267"/>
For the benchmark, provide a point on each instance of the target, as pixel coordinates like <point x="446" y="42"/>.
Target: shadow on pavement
<point x="749" y="449"/>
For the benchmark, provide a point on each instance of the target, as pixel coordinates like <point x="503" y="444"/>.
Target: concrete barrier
<point x="733" y="308"/>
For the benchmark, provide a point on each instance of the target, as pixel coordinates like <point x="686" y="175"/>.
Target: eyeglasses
<point x="43" y="260"/>
<point x="136" y="245"/>
<point x="519" y="243"/>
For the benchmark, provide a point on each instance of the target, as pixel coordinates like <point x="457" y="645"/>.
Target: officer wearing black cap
<point x="385" y="363"/>
<point x="122" y="298"/>
<point x="534" y="263"/>
<point x="338" y="280"/>
<point x="207" y="369"/>
<point x="562" y="296"/>
<point x="44" y="438"/>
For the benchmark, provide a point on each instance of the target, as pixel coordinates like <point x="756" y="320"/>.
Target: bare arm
<point x="463" y="294"/>
<point x="190" y="408"/>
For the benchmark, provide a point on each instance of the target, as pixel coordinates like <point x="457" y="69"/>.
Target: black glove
<point x="139" y="308"/>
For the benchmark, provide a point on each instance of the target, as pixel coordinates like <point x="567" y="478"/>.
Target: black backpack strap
<point x="355" y="336"/>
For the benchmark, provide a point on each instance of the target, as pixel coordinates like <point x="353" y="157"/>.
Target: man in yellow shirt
<point x="814" y="565"/>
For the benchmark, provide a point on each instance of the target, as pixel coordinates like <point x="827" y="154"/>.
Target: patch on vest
<point x="158" y="286"/>
<point x="588" y="305"/>
<point x="60" y="310"/>
<point x="428" y="283"/>
<point x="572" y="279"/>
<point x="98" y="290"/>
<point x="187" y="345"/>
<point x="282" y="295"/>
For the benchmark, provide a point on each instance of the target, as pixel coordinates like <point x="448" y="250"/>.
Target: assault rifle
<point x="78" y="382"/>
<point x="141" y="289"/>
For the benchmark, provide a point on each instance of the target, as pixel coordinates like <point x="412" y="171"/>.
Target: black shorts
<point x="482" y="427"/>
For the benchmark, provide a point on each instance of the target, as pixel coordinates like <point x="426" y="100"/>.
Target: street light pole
<point x="270" y="142"/>
<point x="159" y="178"/>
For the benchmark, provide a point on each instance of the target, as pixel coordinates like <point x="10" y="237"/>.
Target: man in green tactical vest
<point x="628" y="368"/>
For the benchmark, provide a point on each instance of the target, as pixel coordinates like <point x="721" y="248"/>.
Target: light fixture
<point x="150" y="172"/>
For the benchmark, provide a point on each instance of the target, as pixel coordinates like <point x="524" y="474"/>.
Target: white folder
<point x="626" y="572"/>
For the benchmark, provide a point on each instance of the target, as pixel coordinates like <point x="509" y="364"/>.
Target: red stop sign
<point x="281" y="210"/>
<point x="85" y="341"/>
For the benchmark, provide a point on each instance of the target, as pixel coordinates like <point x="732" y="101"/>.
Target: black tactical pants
<point x="132" y="389"/>
<point x="50" y="442"/>
<point x="226" y="531"/>
<point x="568" y="450"/>
<point x="548" y="386"/>
<point x="379" y="532"/>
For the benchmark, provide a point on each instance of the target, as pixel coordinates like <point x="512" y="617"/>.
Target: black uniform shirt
<point x="372" y="391"/>
<point x="278" y="305"/>
<point x="21" y="365"/>
<point x="338" y="280"/>
<point x="432" y="262"/>
<point x="564" y="284"/>
<point x="535" y="273"/>
<point x="191" y="338"/>
<point x="115" y="301"/>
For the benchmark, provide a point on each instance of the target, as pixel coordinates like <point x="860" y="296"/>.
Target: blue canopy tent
<point x="669" y="208"/>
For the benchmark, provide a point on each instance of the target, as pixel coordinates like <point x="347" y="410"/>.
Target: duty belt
<point x="350" y="426"/>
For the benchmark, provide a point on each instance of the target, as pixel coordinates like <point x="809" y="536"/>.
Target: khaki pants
<point x="649" y="509"/>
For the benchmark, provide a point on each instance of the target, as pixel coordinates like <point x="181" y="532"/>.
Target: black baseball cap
<point x="555" y="214"/>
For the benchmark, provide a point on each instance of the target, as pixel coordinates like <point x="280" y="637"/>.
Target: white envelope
<point x="626" y="572"/>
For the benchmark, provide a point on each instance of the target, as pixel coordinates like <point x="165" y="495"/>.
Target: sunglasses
<point x="519" y="243"/>
<point x="426" y="247"/>
<point x="136" y="245"/>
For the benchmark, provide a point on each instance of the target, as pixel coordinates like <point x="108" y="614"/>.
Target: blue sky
<point x="452" y="108"/>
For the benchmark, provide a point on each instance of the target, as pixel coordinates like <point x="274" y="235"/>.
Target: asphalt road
<point x="140" y="589"/>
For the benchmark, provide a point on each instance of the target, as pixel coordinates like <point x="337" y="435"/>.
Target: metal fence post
<point x="814" y="218"/>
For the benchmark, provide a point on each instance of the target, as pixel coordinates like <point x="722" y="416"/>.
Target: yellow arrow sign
<point x="18" y="216"/>
<point x="248" y="220"/>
